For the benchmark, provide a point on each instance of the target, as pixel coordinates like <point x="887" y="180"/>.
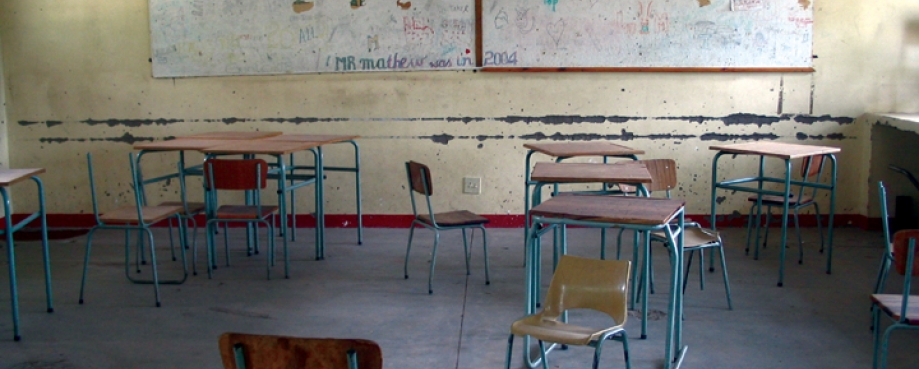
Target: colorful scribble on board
<point x="301" y="6"/>
<point x="551" y="3"/>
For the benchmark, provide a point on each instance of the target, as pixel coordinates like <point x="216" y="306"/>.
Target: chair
<point x="189" y="211"/>
<point x="250" y="176"/>
<point x="902" y="309"/>
<point x="241" y="351"/>
<point x="127" y="218"/>
<point x="419" y="180"/>
<point x="811" y="172"/>
<point x="696" y="238"/>
<point x="888" y="258"/>
<point x="579" y="283"/>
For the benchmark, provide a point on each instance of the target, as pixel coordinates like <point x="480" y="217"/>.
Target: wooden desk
<point x="785" y="152"/>
<point x="231" y="135"/>
<point x="589" y="148"/>
<point x="641" y="214"/>
<point x="8" y="177"/>
<point x="356" y="169"/>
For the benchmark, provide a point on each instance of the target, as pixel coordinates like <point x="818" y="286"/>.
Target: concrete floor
<point x="815" y="321"/>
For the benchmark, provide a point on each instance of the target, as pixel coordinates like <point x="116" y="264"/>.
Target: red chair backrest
<point x="901" y="249"/>
<point x="236" y="174"/>
<point x="815" y="162"/>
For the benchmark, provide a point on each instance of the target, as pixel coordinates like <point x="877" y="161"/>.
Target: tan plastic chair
<point x="580" y="283"/>
<point x="419" y="180"/>
<point x="256" y="351"/>
<point x="903" y="308"/>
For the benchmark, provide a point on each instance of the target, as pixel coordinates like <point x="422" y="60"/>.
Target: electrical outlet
<point x="472" y="185"/>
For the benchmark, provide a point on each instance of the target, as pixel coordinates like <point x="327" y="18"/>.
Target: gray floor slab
<point x="815" y="321"/>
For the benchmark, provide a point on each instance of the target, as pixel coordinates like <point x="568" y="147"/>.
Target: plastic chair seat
<point x="454" y="218"/>
<point x="193" y="207"/>
<point x="128" y="214"/>
<point x="559" y="332"/>
<point x="772" y="200"/>
<point x="244" y="211"/>
<point x="891" y="305"/>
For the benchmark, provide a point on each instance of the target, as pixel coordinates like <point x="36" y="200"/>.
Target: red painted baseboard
<point x="72" y="221"/>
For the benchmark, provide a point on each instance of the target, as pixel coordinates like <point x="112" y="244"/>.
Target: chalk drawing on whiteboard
<point x="525" y="20"/>
<point x="555" y="30"/>
<point x="551" y="4"/>
<point x="501" y="19"/>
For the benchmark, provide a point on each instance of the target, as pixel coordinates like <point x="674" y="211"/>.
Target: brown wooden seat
<point x="454" y="218"/>
<point x="419" y="181"/>
<point x="150" y="214"/>
<point x="192" y="207"/>
<point x="280" y="352"/>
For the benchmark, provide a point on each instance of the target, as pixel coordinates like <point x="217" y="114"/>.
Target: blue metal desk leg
<point x="784" y="223"/>
<point x="11" y="256"/>
<point x="44" y="242"/>
<point x="320" y="208"/>
<point x="357" y="186"/>
<point x="282" y="204"/>
<point x="829" y="254"/>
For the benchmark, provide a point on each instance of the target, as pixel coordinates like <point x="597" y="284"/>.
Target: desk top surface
<point x="611" y="209"/>
<point x="10" y="176"/>
<point x="776" y="149"/>
<point x="324" y="139"/>
<point x="569" y="149"/>
<point x="177" y="145"/>
<point x="264" y="147"/>
<point x="623" y="172"/>
<point x="230" y="135"/>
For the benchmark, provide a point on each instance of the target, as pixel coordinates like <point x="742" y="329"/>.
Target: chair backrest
<point x="885" y="221"/>
<point x="235" y="174"/>
<point x="134" y="180"/>
<point x="812" y="172"/>
<point x="663" y="176"/>
<point x="254" y="351"/>
<point x="582" y="283"/>
<point x="419" y="178"/>
<point x="904" y="243"/>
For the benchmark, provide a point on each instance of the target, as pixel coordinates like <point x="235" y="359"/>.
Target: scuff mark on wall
<point x="125" y="138"/>
<point x="729" y="137"/>
<point x="804" y="4"/>
<point x="732" y="119"/>
<point x="704" y="3"/>
<point x="758" y="120"/>
<point x="441" y="139"/>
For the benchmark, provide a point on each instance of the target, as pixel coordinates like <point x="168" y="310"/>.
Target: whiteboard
<point x="648" y="33"/>
<point x="253" y="37"/>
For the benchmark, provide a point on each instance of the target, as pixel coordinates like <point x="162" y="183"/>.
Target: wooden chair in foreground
<point x="902" y="309"/>
<point x="579" y="283"/>
<point x="255" y="351"/>
<point x="419" y="180"/>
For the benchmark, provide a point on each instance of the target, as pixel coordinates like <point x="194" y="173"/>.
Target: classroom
<point x="78" y="78"/>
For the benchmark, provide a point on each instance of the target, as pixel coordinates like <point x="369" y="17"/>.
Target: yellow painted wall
<point x="78" y="79"/>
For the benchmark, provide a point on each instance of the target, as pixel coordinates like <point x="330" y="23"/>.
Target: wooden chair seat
<point x="193" y="207"/>
<point x="892" y="304"/>
<point x="772" y="200"/>
<point x="694" y="237"/>
<point x="244" y="211"/>
<point x="454" y="218"/>
<point x="279" y="352"/>
<point x="128" y="214"/>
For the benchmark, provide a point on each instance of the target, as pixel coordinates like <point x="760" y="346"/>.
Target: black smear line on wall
<point x="732" y="119"/>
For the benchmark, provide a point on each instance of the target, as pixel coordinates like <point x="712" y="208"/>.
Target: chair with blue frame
<point x="241" y="351"/>
<point x="811" y="172"/>
<point x="579" y="283"/>
<point x="133" y="217"/>
<point x="696" y="239"/>
<point x="887" y="259"/>
<point x="419" y="180"/>
<point x="249" y="176"/>
<point x="902" y="308"/>
<point x="187" y="215"/>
